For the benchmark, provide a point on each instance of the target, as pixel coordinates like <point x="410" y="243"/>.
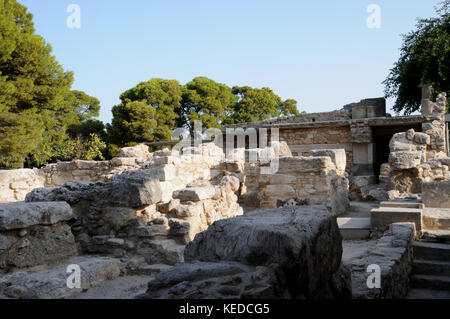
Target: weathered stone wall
<point x="15" y="184"/>
<point x="410" y="165"/>
<point x="33" y="234"/>
<point x="393" y="253"/>
<point x="303" y="140"/>
<point x="151" y="210"/>
<point x="319" y="179"/>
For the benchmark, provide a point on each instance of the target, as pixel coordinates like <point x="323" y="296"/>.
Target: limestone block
<point x="436" y="194"/>
<point x="300" y="165"/>
<point x="164" y="172"/>
<point x="23" y="215"/>
<point x="281" y="149"/>
<point x="136" y="189"/>
<point x="279" y="191"/>
<point x="338" y="157"/>
<point x="400" y="142"/>
<point x="280" y="179"/>
<point x="422" y="138"/>
<point x="404" y="160"/>
<point x="139" y="151"/>
<point x="195" y="194"/>
<point x="123" y="161"/>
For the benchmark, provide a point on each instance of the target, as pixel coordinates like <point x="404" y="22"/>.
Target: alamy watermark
<point x="374" y="279"/>
<point x="374" y="19"/>
<point x="235" y="142"/>
<point x="74" y="279"/>
<point x="74" y="19"/>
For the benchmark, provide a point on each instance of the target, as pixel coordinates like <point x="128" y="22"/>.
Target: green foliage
<point x="19" y="135"/>
<point x="152" y="109"/>
<point x="88" y="148"/>
<point x="35" y="88"/>
<point x="133" y="122"/>
<point x="88" y="127"/>
<point x="207" y="101"/>
<point x="424" y="59"/>
<point x="259" y="104"/>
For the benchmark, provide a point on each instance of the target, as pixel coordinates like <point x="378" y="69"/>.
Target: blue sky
<point x="320" y="53"/>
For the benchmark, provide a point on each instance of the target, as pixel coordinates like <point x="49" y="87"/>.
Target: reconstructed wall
<point x="416" y="158"/>
<point x="319" y="179"/>
<point x="150" y="210"/>
<point x="303" y="140"/>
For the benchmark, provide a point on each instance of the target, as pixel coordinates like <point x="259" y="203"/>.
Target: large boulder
<point x="280" y="253"/>
<point x="135" y="189"/>
<point x="284" y="236"/>
<point x="22" y="215"/>
<point x="33" y="234"/>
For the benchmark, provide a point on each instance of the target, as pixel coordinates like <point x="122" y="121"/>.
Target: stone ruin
<point x="214" y="217"/>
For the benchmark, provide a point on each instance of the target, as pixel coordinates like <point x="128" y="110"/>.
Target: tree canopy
<point x="37" y="104"/>
<point x="254" y="105"/>
<point x="424" y="59"/>
<point x="151" y="110"/>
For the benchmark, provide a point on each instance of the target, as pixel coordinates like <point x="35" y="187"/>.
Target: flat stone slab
<point x="51" y="283"/>
<point x="22" y="215"/>
<point x="354" y="228"/>
<point x="195" y="194"/>
<point x="354" y="223"/>
<point x="382" y="217"/>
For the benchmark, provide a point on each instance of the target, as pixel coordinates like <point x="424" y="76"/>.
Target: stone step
<point x="430" y="282"/>
<point x="431" y="267"/>
<point x="382" y="217"/>
<point x="436" y="218"/>
<point x="402" y="204"/>
<point x="431" y="251"/>
<point x="51" y="283"/>
<point x="436" y="236"/>
<point x="354" y="228"/>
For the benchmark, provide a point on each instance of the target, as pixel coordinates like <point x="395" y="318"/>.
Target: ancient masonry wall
<point x="415" y="157"/>
<point x="318" y="179"/>
<point x="152" y="210"/>
<point x="303" y="140"/>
